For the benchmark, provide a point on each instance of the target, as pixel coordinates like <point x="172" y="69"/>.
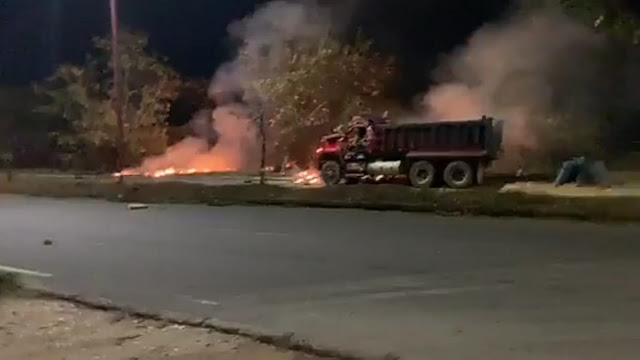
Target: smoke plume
<point x="224" y="142"/>
<point x="262" y="39"/>
<point x="533" y="70"/>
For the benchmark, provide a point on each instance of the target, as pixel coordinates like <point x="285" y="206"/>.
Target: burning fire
<point x="308" y="177"/>
<point x="234" y="148"/>
<point x="169" y="172"/>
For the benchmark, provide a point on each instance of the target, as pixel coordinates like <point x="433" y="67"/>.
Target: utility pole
<point x="117" y="88"/>
<point x="263" y="150"/>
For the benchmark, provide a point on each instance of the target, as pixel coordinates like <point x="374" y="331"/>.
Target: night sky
<point x="38" y="34"/>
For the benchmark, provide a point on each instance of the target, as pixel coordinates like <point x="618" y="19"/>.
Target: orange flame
<point x="170" y="172"/>
<point x="308" y="177"/>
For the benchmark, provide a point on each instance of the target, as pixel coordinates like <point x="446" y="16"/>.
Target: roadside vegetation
<point x="8" y="283"/>
<point x="67" y="120"/>
<point x="79" y="97"/>
<point x="479" y="201"/>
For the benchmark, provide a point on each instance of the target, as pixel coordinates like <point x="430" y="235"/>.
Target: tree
<point x="23" y="134"/>
<point x="621" y="24"/>
<point x="315" y="88"/>
<point x="610" y="16"/>
<point x="82" y="96"/>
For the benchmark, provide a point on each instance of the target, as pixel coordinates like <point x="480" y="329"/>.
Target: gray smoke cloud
<point x="224" y="142"/>
<point x="534" y="69"/>
<point x="263" y="39"/>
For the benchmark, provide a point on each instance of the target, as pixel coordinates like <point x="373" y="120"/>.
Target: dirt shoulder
<point x="39" y="329"/>
<point x="479" y="201"/>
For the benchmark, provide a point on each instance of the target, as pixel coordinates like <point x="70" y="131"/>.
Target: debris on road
<point x="47" y="242"/>
<point x="137" y="206"/>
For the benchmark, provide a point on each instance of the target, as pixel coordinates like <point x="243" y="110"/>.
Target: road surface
<point x="414" y="285"/>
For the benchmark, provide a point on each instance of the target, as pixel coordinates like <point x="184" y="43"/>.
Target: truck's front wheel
<point x="331" y="173"/>
<point x="458" y="175"/>
<point x="421" y="174"/>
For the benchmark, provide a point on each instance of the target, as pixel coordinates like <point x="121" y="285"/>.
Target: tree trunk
<point x="263" y="150"/>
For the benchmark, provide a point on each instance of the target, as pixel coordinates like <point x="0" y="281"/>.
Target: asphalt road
<point x="417" y="286"/>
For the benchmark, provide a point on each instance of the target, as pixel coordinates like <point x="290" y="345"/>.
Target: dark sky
<point x="38" y="34"/>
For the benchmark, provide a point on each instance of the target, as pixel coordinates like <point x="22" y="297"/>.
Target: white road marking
<point x="427" y="292"/>
<point x="323" y="295"/>
<point x="200" y="301"/>
<point x="207" y="302"/>
<point x="14" y="270"/>
<point x="271" y="234"/>
<point x="259" y="233"/>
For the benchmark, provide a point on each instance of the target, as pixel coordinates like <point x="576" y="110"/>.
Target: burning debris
<point x="194" y="155"/>
<point x="308" y="178"/>
<point x="167" y="172"/>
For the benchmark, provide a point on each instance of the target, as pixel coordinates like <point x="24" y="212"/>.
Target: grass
<point x="629" y="178"/>
<point x="8" y="283"/>
<point x="479" y="201"/>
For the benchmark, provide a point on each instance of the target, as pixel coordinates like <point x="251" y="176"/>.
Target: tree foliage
<point x="23" y="133"/>
<point x="82" y="95"/>
<point x="315" y="88"/>
<point x="610" y="16"/>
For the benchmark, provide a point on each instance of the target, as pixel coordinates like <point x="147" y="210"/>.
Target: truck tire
<point x="458" y="175"/>
<point x="331" y="173"/>
<point x="421" y="174"/>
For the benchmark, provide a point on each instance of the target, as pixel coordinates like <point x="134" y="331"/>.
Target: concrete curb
<point x="283" y="341"/>
<point x="421" y="209"/>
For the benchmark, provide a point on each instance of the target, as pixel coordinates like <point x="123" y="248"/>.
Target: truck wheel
<point x="458" y="175"/>
<point x="421" y="174"/>
<point x="330" y="173"/>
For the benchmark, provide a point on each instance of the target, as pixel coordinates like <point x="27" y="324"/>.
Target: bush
<point x="8" y="283"/>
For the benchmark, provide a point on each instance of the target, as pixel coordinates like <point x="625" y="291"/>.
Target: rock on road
<point x="414" y="285"/>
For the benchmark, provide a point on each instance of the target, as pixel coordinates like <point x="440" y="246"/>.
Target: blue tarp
<point x="583" y="171"/>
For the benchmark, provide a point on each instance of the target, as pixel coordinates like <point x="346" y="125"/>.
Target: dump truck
<point x="454" y="153"/>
